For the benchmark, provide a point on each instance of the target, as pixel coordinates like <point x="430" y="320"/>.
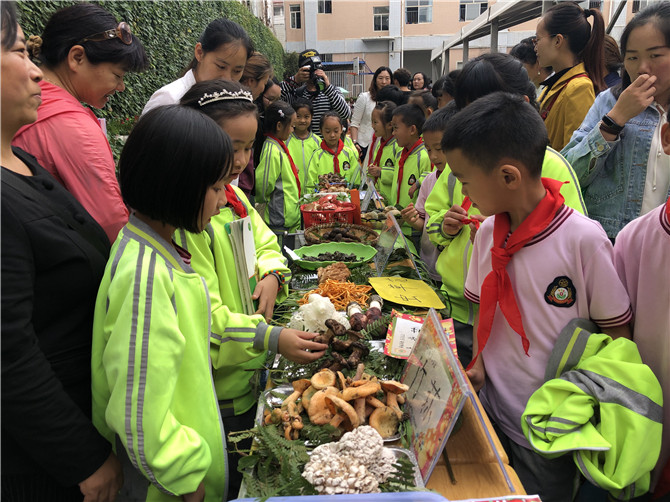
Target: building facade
<point x="403" y="33"/>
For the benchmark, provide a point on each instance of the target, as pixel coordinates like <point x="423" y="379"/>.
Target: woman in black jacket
<point x="53" y="257"/>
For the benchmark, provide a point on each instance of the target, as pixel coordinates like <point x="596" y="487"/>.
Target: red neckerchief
<point x="466" y="221"/>
<point x="235" y="203"/>
<point x="497" y="288"/>
<point x="372" y="148"/>
<point x="382" y="143"/>
<point x="290" y="159"/>
<point x="667" y="209"/>
<point x="401" y="163"/>
<point x="336" y="161"/>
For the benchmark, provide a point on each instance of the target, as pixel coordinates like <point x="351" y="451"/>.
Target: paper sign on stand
<point x="405" y="291"/>
<point x="438" y="390"/>
<point x="403" y="332"/>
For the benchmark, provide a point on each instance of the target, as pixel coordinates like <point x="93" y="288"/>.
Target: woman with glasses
<point x="566" y="41"/>
<point x="84" y="53"/>
<point x="53" y="258"/>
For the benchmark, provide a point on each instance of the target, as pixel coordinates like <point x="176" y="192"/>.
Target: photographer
<point x="312" y="83"/>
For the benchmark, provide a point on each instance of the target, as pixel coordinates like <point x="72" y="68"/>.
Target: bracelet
<point x="610" y="130"/>
<point x="278" y="275"/>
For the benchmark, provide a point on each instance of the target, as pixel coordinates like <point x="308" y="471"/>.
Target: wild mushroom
<point x="339" y="362"/>
<point x="322" y="379"/>
<point x="299" y="386"/>
<point x="365" y="390"/>
<point x="356" y="317"/>
<point x="318" y="410"/>
<point x="385" y="421"/>
<point x="360" y="351"/>
<point x="335" y="405"/>
<point x="307" y="395"/>
<point x="393" y="389"/>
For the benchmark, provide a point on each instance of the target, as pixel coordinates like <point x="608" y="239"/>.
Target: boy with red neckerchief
<point x="535" y="266"/>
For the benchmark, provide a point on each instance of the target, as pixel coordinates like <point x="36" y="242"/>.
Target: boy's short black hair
<point x="439" y="119"/>
<point x="429" y="101"/>
<point x="411" y="115"/>
<point x="496" y="127"/>
<point x="171" y="158"/>
<point x="393" y="94"/>
<point x="402" y="76"/>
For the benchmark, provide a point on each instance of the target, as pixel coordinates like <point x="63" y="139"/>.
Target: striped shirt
<point x="330" y="99"/>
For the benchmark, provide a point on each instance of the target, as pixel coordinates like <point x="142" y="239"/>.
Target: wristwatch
<point x="609" y="126"/>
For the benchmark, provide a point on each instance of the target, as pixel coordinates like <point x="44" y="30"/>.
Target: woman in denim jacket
<point x="610" y="150"/>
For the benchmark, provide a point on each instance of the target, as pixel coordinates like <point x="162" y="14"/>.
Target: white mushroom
<point x="355" y="464"/>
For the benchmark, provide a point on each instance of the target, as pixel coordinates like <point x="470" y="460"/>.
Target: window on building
<point x="471" y="9"/>
<point x="638" y="5"/>
<point x="295" y="16"/>
<point x="380" y="18"/>
<point x="279" y="11"/>
<point x="419" y="11"/>
<point x="595" y="4"/>
<point x="325" y="7"/>
<point x="326" y="58"/>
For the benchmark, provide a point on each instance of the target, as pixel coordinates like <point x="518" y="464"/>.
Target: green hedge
<point x="169" y="31"/>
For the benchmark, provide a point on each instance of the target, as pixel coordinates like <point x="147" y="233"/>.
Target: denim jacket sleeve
<point x="587" y="150"/>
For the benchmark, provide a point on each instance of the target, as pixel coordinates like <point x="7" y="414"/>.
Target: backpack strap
<point x="545" y="111"/>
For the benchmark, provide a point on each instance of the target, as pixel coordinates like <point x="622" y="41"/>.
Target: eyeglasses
<point x="537" y="39"/>
<point x="122" y="32"/>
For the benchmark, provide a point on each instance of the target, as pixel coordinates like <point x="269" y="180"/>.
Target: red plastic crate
<point x="311" y="218"/>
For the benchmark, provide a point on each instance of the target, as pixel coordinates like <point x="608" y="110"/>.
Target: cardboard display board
<point x="438" y="390"/>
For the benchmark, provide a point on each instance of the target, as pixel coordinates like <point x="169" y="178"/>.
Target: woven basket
<point x="313" y="235"/>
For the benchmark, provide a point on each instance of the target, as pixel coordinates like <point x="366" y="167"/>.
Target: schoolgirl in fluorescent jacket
<point x="333" y="156"/>
<point x="278" y="185"/>
<point x="239" y="342"/>
<point x="382" y="157"/>
<point x="302" y="142"/>
<point x="152" y="385"/>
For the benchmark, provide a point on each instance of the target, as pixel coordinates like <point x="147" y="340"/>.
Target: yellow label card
<point x="410" y="292"/>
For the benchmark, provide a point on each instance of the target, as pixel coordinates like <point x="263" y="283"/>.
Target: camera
<point x="314" y="63"/>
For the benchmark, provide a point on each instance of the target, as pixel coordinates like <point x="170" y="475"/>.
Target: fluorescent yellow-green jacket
<point x="151" y="373"/>
<point x="416" y="168"/>
<point x="600" y="403"/>
<point x="239" y="342"/>
<point x="454" y="259"/>
<point x="388" y="163"/>
<point x="301" y="151"/>
<point x="322" y="163"/>
<point x="276" y="187"/>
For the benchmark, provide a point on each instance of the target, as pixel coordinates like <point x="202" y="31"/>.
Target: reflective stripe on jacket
<point x="239" y="342"/>
<point x="276" y="187"/>
<point x="151" y="372"/>
<point x="601" y="403"/>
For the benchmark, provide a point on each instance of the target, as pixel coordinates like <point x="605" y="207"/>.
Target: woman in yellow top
<point x="565" y="40"/>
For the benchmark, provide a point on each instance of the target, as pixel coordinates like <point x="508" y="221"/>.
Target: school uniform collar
<point x="146" y="235"/>
<point x="554" y="78"/>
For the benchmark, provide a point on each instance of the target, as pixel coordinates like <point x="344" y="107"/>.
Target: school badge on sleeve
<point x="561" y="292"/>
<point x="411" y="180"/>
<point x="389" y="163"/>
<point x="346" y="166"/>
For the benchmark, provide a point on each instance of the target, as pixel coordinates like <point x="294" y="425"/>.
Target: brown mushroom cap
<point x="307" y="395"/>
<point x="301" y="385"/>
<point x="318" y="410"/>
<point x="323" y="379"/>
<point x="336" y="405"/>
<point x="351" y="393"/>
<point x="385" y="421"/>
<point x="394" y="387"/>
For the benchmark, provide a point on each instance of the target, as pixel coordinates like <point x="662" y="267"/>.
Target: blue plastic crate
<point x="366" y="497"/>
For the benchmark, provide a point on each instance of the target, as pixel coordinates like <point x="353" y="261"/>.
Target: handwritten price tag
<point x="404" y="291"/>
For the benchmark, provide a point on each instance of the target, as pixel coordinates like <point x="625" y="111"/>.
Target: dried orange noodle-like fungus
<point x="340" y="293"/>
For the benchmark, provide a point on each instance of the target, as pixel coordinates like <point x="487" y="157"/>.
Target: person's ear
<point x="665" y="138"/>
<point x="76" y="57"/>
<point x="526" y="98"/>
<point x="559" y="41"/>
<point x="198" y="53"/>
<point x="413" y="130"/>
<point x="510" y="176"/>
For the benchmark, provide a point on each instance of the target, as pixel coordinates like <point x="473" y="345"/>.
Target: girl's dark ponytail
<point x="593" y="54"/>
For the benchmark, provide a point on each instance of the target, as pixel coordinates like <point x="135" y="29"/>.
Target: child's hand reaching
<point x="411" y="216"/>
<point x="413" y="189"/>
<point x="196" y="496"/>
<point x="452" y="223"/>
<point x="266" y="294"/>
<point x="294" y="346"/>
<point x="374" y="171"/>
